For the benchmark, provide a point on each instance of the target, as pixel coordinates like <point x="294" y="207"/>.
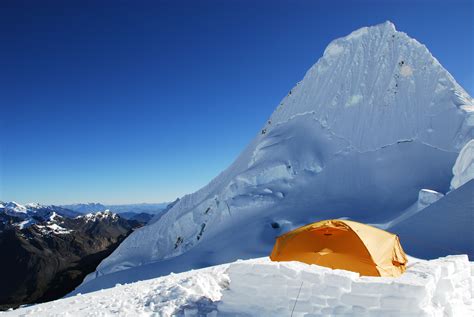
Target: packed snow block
<point x="400" y="303"/>
<point x="319" y="300"/>
<point x="360" y="300"/>
<point x="312" y="276"/>
<point x="293" y="269"/>
<point x="301" y="306"/>
<point x="241" y="267"/>
<point x="372" y="286"/>
<point x="271" y="281"/>
<point x="239" y="279"/>
<point x="333" y="301"/>
<point x="441" y="287"/>
<point x="447" y="267"/>
<point x="303" y="292"/>
<point x="461" y="261"/>
<point x="444" y="290"/>
<point x="358" y="310"/>
<point x="415" y="284"/>
<point x="340" y="278"/>
<point x="264" y="269"/>
<point x="426" y="268"/>
<point x="333" y="291"/>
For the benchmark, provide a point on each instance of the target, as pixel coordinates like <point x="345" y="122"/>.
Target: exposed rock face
<point x="47" y="257"/>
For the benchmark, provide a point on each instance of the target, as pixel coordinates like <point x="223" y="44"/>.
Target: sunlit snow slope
<point x="373" y="122"/>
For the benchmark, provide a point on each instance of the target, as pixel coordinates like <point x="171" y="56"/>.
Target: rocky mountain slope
<point x="48" y="250"/>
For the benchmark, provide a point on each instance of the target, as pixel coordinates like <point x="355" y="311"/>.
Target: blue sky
<point x="144" y="101"/>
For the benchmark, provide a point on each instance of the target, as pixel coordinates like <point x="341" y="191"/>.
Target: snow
<point x="333" y="49"/>
<point x="259" y="287"/>
<point x="427" y="196"/>
<point x="463" y="169"/>
<point x="317" y="158"/>
<point x="406" y="71"/>
<point x="353" y="100"/>
<point x="43" y="217"/>
<point x="25" y="223"/>
<point x="15" y="209"/>
<point x="443" y="227"/>
<point x="53" y="228"/>
<point x="360" y="32"/>
<point x="175" y="294"/>
<point x="92" y="217"/>
<point x="33" y="205"/>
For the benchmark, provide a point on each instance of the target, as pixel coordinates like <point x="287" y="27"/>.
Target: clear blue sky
<point x="144" y="101"/>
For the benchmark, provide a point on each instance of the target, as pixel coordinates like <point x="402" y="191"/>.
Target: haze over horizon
<point x="148" y="102"/>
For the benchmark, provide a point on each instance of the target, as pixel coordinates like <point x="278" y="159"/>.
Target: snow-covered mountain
<point x="13" y="208"/>
<point x="373" y="122"/>
<point x="22" y="216"/>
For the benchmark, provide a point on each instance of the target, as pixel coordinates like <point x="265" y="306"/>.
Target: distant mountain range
<point x="149" y="208"/>
<point x="50" y="249"/>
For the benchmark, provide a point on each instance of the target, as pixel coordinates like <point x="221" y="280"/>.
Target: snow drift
<point x="259" y="287"/>
<point x="373" y="122"/>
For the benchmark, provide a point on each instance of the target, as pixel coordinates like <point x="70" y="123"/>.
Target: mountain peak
<point x="388" y="25"/>
<point x="358" y="137"/>
<point x="386" y="80"/>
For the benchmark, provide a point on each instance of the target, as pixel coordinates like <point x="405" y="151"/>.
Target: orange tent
<point x="343" y="244"/>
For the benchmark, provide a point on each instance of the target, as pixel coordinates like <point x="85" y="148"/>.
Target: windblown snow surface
<point x="259" y="287"/>
<point x="373" y="122"/>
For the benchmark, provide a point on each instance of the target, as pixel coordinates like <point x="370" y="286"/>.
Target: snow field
<point x="192" y="293"/>
<point x="260" y="287"/>
<point x="441" y="287"/>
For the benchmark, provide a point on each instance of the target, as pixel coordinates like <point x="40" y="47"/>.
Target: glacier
<point x="373" y="122"/>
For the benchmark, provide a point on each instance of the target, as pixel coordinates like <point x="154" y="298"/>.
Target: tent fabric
<point x="343" y="244"/>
